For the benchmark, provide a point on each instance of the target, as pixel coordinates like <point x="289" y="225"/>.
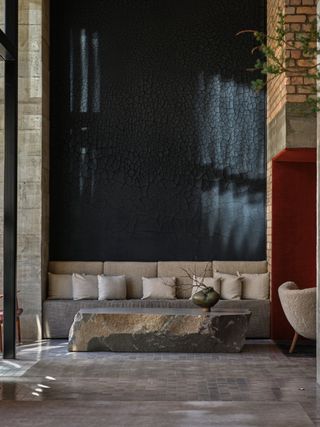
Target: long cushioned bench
<point x="58" y="313"/>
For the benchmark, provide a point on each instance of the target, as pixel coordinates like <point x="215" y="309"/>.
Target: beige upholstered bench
<point x="59" y="308"/>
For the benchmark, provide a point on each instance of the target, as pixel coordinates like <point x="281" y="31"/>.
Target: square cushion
<point x="134" y="271"/>
<point x="231" y="286"/>
<point x="159" y="287"/>
<point x="84" y="286"/>
<point x="183" y="271"/>
<point x="111" y="287"/>
<point x="255" y="286"/>
<point x="60" y="286"/>
<point x="212" y="282"/>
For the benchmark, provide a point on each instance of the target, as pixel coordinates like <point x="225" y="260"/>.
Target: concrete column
<point x="33" y="163"/>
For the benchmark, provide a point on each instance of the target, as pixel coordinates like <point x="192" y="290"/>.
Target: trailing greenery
<point x="272" y="59"/>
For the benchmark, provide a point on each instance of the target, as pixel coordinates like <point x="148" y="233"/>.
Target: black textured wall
<point x="157" y="140"/>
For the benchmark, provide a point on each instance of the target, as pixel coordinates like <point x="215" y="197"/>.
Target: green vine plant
<point x="273" y="60"/>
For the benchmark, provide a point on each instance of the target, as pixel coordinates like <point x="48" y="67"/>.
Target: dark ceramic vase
<point x="206" y="298"/>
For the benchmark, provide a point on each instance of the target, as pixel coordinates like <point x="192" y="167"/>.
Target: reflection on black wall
<point x="157" y="140"/>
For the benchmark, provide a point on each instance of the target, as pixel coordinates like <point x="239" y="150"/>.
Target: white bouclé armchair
<point x="299" y="306"/>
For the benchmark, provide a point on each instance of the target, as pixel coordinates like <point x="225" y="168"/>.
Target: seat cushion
<point x="58" y="315"/>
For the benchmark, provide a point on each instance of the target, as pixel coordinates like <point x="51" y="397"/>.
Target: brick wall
<point x="292" y="87"/>
<point x="299" y="15"/>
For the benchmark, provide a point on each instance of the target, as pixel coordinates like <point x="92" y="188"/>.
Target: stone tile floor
<point x="261" y="386"/>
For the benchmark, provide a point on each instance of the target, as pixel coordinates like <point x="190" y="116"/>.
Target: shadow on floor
<point x="302" y="349"/>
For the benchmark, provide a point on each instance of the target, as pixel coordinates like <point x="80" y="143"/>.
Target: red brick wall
<point x="291" y="87"/>
<point x="299" y="15"/>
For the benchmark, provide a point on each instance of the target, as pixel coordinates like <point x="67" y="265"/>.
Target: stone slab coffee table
<point x="159" y="330"/>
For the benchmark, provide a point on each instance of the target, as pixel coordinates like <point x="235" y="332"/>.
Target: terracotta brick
<point x="312" y="71"/>
<point x="295" y="54"/>
<point x="295" y="73"/>
<point x="294" y="2"/>
<point x="307" y="10"/>
<point x="298" y="45"/>
<point x="305" y="63"/>
<point x="290" y="63"/>
<point x="309" y="2"/>
<point x="296" y="18"/>
<point x="290" y="36"/>
<point x="304" y="89"/>
<point x="309" y="81"/>
<point x="296" y="80"/>
<point x="296" y="98"/>
<point x="290" y="10"/>
<point x="295" y="28"/>
<point x="306" y="28"/>
<point x="291" y="89"/>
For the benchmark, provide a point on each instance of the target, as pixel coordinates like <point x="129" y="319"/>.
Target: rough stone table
<point x="159" y="330"/>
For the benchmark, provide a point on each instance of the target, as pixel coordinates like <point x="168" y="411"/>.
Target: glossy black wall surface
<point x="157" y="139"/>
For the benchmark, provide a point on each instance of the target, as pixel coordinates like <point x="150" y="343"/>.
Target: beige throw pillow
<point x="212" y="282"/>
<point x="84" y="286"/>
<point x="231" y="286"/>
<point x="255" y="286"/>
<point x="111" y="287"/>
<point x="159" y="287"/>
<point x="60" y="286"/>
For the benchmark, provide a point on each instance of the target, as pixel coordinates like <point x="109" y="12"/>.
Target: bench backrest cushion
<point x="232" y="267"/>
<point x="134" y="271"/>
<point x="80" y="267"/>
<point x="181" y="270"/>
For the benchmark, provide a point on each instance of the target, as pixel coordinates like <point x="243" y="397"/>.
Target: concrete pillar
<point x="33" y="162"/>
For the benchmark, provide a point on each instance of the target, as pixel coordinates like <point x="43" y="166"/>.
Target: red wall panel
<point x="293" y="228"/>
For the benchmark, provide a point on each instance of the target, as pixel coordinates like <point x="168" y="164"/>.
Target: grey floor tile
<point x="258" y="387"/>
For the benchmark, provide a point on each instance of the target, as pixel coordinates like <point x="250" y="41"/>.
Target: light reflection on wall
<point x="71" y="72"/>
<point x="89" y="98"/>
<point x="96" y="74"/>
<point x="221" y="116"/>
<point x="84" y="71"/>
